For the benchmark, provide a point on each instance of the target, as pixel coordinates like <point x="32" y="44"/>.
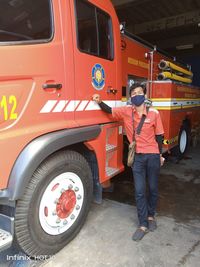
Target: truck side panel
<point x="177" y="103"/>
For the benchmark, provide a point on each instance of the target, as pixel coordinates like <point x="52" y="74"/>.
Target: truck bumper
<point x="6" y="231"/>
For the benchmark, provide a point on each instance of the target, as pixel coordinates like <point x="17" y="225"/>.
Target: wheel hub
<point x="61" y="203"/>
<point x="66" y="204"/>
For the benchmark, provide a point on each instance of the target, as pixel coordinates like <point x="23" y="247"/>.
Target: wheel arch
<point x="91" y="158"/>
<point x="37" y="151"/>
<point x="187" y="122"/>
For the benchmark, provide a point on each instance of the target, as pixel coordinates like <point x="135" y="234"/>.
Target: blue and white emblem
<point x="98" y="77"/>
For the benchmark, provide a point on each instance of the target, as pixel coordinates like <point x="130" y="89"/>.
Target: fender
<point x="37" y="151"/>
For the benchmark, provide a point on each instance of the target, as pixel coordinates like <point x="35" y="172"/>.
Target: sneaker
<point x="152" y="225"/>
<point x="139" y="234"/>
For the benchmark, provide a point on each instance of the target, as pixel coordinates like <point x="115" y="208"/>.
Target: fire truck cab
<point x="57" y="147"/>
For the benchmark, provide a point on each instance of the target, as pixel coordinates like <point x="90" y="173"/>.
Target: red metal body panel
<point x="181" y="97"/>
<point x="24" y="70"/>
<point x="134" y="61"/>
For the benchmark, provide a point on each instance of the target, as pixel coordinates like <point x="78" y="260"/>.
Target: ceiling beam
<point x="183" y="40"/>
<point x="180" y="20"/>
<point x="122" y="2"/>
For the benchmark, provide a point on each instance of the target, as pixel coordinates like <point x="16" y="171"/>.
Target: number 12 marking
<point x="5" y="103"/>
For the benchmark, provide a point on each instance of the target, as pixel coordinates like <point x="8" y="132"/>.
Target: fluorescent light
<point x="182" y="47"/>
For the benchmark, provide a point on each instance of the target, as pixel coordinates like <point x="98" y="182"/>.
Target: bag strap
<point x="139" y="128"/>
<point x="133" y="127"/>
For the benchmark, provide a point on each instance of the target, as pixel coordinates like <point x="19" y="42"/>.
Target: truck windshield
<point x="25" y="20"/>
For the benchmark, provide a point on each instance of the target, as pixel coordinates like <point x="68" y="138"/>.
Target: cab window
<point x="25" y="20"/>
<point x="94" y="30"/>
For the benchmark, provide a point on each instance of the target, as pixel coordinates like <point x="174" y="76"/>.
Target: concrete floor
<point x="105" y="239"/>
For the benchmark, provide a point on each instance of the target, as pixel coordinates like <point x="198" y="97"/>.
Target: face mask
<point x="137" y="100"/>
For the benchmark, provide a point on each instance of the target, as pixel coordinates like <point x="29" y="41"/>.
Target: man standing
<point x="148" y="156"/>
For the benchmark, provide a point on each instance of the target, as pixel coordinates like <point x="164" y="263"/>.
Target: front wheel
<point x="55" y="204"/>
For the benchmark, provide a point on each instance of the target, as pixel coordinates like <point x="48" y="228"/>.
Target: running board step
<point x="5" y="239"/>
<point x="110" y="147"/>
<point x="111" y="171"/>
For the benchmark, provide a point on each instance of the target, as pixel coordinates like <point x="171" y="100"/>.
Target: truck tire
<point x="183" y="141"/>
<point x="55" y="204"/>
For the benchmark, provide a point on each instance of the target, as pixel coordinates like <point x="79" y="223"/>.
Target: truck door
<point x="95" y="57"/>
<point x="31" y="76"/>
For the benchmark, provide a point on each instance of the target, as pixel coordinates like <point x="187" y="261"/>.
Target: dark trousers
<point x="146" y="167"/>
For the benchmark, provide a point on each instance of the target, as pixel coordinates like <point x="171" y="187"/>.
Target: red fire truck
<point x="58" y="149"/>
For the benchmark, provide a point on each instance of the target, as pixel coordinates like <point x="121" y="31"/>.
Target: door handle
<point x="111" y="90"/>
<point x="56" y="86"/>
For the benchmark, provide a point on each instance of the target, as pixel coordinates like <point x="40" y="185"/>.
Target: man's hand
<point x="96" y="98"/>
